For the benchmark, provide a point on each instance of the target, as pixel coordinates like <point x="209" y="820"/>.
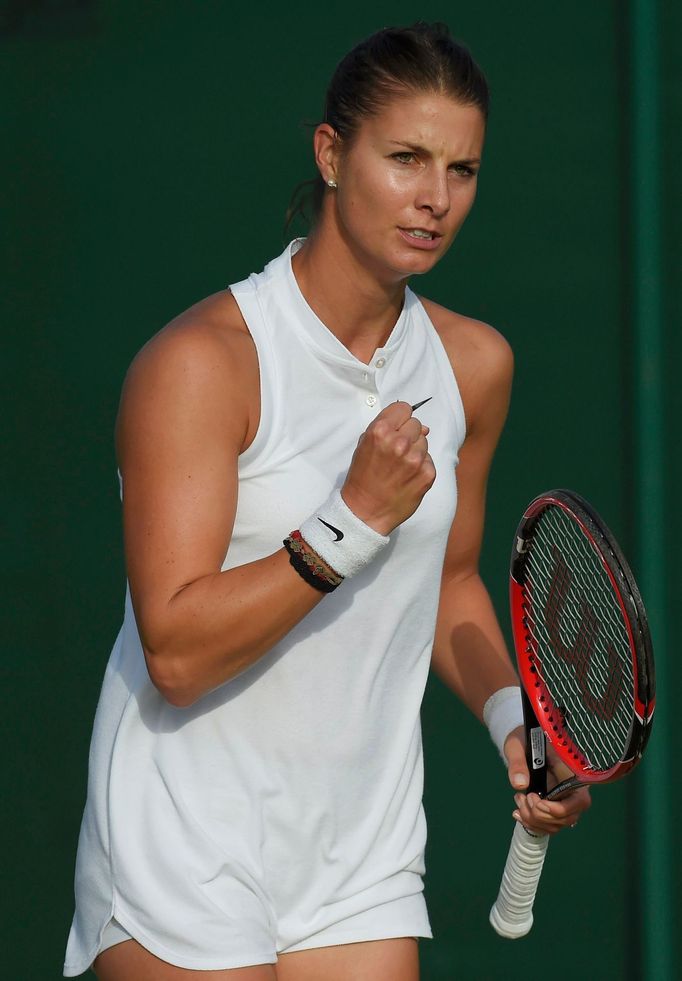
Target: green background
<point x="148" y="157"/>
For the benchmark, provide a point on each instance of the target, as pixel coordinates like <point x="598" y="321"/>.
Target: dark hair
<point x="393" y="62"/>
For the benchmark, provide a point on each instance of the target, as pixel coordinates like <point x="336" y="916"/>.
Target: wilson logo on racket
<point x="580" y="654"/>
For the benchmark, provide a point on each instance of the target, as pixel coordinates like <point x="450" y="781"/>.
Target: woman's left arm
<point x="470" y="654"/>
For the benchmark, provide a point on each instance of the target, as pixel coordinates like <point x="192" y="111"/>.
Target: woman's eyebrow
<point x="410" y="146"/>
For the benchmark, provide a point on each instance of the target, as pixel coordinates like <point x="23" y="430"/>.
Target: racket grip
<point x="512" y="912"/>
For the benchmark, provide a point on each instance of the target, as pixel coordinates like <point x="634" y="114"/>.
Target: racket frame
<point x="539" y="709"/>
<point x="512" y="913"/>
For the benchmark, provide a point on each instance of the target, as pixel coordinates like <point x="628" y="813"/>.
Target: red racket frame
<point x="632" y="608"/>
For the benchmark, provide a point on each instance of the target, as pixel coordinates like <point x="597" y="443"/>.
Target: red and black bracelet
<point x="309" y="565"/>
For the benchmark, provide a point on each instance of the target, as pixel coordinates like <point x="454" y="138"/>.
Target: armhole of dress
<point x="246" y="297"/>
<point x="447" y="372"/>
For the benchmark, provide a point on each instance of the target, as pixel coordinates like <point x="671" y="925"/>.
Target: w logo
<point x="580" y="654"/>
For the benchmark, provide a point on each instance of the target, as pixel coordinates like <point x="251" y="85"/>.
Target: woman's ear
<point x="326" y="148"/>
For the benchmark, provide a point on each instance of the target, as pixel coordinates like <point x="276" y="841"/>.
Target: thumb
<point x="515" y="753"/>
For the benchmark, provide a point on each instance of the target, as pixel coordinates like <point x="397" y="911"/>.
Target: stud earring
<point x="331" y="183"/>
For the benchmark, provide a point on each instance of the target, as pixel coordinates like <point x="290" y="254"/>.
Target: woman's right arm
<point x="185" y="415"/>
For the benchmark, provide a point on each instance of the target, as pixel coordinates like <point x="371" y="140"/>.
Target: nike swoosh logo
<point x="339" y="534"/>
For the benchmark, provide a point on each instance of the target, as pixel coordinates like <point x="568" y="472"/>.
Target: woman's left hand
<point x="536" y="814"/>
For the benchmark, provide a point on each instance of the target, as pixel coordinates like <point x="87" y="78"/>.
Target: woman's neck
<point x="347" y="297"/>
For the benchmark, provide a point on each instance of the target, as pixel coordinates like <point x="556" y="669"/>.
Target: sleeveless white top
<point x="289" y="799"/>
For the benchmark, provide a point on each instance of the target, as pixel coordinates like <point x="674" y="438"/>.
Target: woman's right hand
<point x="391" y="469"/>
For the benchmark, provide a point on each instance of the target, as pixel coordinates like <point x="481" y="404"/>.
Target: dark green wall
<point x="671" y="105"/>
<point x="148" y="156"/>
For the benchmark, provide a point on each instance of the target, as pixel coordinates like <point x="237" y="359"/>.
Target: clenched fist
<point x="391" y="469"/>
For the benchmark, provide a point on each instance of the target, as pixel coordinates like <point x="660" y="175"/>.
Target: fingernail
<point x="519" y="780"/>
<point x="516" y="815"/>
<point x="517" y="799"/>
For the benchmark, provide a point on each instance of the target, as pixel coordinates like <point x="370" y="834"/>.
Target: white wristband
<point x="503" y="713"/>
<point x="339" y="537"/>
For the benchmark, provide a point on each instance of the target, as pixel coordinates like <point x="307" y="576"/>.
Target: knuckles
<point x="378" y="431"/>
<point x="429" y="471"/>
<point x="401" y="448"/>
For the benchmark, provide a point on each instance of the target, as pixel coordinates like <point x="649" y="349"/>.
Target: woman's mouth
<point x="421" y="238"/>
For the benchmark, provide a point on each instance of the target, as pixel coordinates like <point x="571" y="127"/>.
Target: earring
<point x="331" y="183"/>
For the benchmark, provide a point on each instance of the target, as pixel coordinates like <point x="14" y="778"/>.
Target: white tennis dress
<point x="283" y="810"/>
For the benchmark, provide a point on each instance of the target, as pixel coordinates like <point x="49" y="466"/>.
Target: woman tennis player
<point x="301" y="545"/>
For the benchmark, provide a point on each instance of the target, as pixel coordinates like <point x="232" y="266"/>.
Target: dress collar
<point x="327" y="343"/>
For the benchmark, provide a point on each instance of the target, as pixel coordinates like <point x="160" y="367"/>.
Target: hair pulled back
<point x="394" y="62"/>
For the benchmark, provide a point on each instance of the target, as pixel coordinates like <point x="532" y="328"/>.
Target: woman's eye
<point x="463" y="170"/>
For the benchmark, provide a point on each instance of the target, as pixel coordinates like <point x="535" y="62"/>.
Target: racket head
<point x="581" y="636"/>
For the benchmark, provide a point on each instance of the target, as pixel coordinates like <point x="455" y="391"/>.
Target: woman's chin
<point x="416" y="265"/>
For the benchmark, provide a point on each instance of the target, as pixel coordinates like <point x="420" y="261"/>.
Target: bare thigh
<point x="375" y="960"/>
<point x="129" y="961"/>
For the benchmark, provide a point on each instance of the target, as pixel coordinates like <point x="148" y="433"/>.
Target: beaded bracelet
<point x="309" y="565"/>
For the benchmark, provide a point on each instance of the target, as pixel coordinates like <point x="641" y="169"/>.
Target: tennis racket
<point x="586" y="665"/>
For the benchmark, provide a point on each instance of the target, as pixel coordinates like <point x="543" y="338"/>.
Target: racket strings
<point x="580" y="641"/>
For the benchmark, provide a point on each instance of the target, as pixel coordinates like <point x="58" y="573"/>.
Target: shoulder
<point x="210" y="334"/>
<point x="472" y="345"/>
<point x="205" y="355"/>
<point x="481" y="358"/>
